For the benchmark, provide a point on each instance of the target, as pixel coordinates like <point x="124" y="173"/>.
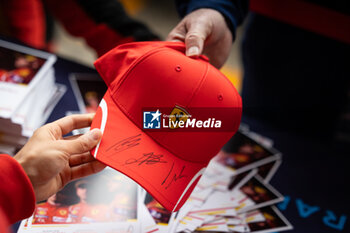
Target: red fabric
<point x="160" y="76"/>
<point x="77" y="23"/>
<point x="4" y="223"/>
<point x="17" y="200"/>
<point x="26" y="21"/>
<point x="306" y="15"/>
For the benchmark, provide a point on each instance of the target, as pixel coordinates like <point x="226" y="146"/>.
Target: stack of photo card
<point x="28" y="92"/>
<point x="106" y="202"/>
<point x="233" y="195"/>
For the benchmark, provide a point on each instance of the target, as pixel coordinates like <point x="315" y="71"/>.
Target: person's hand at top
<point x="204" y="31"/>
<point x="51" y="161"/>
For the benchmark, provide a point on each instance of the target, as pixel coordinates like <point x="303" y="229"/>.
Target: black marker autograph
<point x="125" y="144"/>
<point x="148" y="159"/>
<point x="175" y="176"/>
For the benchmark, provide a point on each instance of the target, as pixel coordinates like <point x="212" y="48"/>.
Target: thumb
<point x="83" y="143"/>
<point x="195" y="37"/>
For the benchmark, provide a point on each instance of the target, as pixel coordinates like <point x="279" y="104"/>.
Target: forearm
<point x="17" y="199"/>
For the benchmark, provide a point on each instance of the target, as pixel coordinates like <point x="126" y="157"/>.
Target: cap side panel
<point x="136" y="62"/>
<point x="200" y="84"/>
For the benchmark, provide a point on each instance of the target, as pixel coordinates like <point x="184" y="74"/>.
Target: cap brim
<point x="126" y="148"/>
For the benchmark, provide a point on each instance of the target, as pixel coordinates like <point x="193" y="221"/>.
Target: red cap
<point x="158" y="75"/>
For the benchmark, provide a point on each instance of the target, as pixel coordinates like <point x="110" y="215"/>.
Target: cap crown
<point x="158" y="75"/>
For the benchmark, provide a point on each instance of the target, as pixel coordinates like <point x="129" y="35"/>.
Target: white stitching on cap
<point x="199" y="173"/>
<point x="104" y="109"/>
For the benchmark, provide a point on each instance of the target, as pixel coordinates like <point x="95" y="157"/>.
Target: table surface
<point x="312" y="177"/>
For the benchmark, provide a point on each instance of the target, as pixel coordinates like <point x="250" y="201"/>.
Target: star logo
<point x="151" y="119"/>
<point x="156" y="115"/>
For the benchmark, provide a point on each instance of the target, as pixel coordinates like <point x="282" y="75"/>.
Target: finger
<point x="69" y="123"/>
<point x="197" y="33"/>
<point x="176" y="37"/>
<point x="79" y="159"/>
<point x="178" y="33"/>
<point x="81" y="144"/>
<point x="86" y="169"/>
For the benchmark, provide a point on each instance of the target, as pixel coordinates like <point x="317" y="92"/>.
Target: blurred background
<point x="161" y="17"/>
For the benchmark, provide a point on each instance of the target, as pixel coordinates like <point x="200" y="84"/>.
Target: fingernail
<point x="94" y="134"/>
<point x="193" y="51"/>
